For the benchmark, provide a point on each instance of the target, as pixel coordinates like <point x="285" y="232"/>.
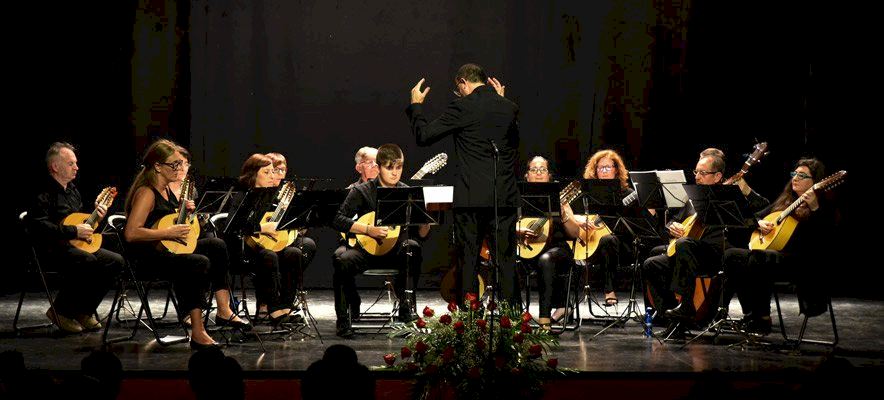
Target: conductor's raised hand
<point x="418" y="95"/>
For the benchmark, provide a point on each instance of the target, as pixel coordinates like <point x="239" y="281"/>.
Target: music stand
<point x="310" y="208"/>
<point x="404" y="206"/>
<point x="717" y="206"/>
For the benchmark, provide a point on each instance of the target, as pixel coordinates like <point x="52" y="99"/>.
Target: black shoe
<point x="683" y="311"/>
<point x="759" y="326"/>
<point x="344" y="329"/>
<point x="241" y="325"/>
<point x="672" y="332"/>
<point x="199" y="346"/>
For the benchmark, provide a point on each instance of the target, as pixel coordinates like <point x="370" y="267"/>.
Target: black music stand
<point x="404" y="206"/>
<point x="628" y="222"/>
<point x="717" y="206"/>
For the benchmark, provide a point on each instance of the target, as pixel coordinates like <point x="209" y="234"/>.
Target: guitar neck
<point x="419" y="174"/>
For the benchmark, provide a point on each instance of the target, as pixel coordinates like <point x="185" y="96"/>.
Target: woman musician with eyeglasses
<point x="751" y="273"/>
<point x="149" y="199"/>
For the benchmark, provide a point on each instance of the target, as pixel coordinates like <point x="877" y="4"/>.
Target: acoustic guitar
<point x="93" y="243"/>
<point x="182" y="217"/>
<point x="278" y="239"/>
<point x="784" y="223"/>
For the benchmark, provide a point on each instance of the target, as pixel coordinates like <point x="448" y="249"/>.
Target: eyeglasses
<point x="538" y="170"/>
<point x="370" y="164"/>
<point x="177" y="165"/>
<point x="704" y="173"/>
<point x="800" y="175"/>
<point x="279" y="171"/>
<point x="604" y="168"/>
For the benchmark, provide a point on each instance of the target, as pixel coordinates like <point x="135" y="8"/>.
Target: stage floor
<point x="620" y="349"/>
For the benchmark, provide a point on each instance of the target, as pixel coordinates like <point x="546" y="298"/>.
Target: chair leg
<point x="39" y="271"/>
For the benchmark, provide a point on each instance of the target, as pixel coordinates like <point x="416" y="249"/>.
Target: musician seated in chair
<point x="149" y="200"/>
<point x="604" y="164"/>
<point x="555" y="257"/>
<point x="667" y="275"/>
<point x="348" y="261"/>
<point x="209" y="245"/>
<point x="88" y="274"/>
<point x="279" y="263"/>
<point x="751" y="273"/>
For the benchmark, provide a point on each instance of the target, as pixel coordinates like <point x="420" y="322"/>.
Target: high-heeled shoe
<point x="241" y="325"/>
<point x="194" y="345"/>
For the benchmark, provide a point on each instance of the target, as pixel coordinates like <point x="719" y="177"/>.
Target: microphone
<point x="494" y="147"/>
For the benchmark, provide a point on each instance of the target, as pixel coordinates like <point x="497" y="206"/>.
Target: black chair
<point x="34" y="269"/>
<point x="143" y="286"/>
<point x="801" y="339"/>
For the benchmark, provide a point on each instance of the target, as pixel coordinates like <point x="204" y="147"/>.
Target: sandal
<point x="545" y="324"/>
<point x="610" y="299"/>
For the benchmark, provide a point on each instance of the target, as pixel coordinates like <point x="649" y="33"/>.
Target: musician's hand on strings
<point x="190" y="205"/>
<point x="676" y="230"/>
<point x="178" y="232"/>
<point x="102" y="210"/>
<point x="765" y="227"/>
<point x="269" y="227"/>
<point x="377" y="232"/>
<point x="84" y="232"/>
<point x="525" y="234"/>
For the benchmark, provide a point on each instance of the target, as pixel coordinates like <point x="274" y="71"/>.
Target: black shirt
<point x="51" y="205"/>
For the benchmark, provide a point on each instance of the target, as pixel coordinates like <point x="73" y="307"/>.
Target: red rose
<point x="518" y="338"/>
<point x="420" y="347"/>
<point x="390" y="359"/>
<point x="526" y="328"/>
<point x="459" y="327"/>
<point x="448" y="354"/>
<point x="471" y="297"/>
<point x="535" y="350"/>
<point x="431" y="369"/>
<point x="474" y="373"/>
<point x="474" y="305"/>
<point x="445" y="319"/>
<point x="406" y="352"/>
<point x="421" y="323"/>
<point x="481" y="323"/>
<point x="505" y="322"/>
<point x="492" y="306"/>
<point x="452" y="306"/>
<point x="480" y="344"/>
<point x="526" y="316"/>
<point x="428" y="312"/>
<point x="552" y="362"/>
<point x="411" y="367"/>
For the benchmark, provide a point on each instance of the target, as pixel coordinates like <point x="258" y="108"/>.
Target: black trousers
<point x="666" y="276"/>
<point x="349" y="261"/>
<point x="472" y="225"/>
<point x="607" y="256"/>
<point x="751" y="274"/>
<point x="277" y="273"/>
<point x="86" y="278"/>
<point x="191" y="274"/>
<point x="553" y="266"/>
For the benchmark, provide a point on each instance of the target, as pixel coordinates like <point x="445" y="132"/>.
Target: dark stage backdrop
<point x="658" y="81"/>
